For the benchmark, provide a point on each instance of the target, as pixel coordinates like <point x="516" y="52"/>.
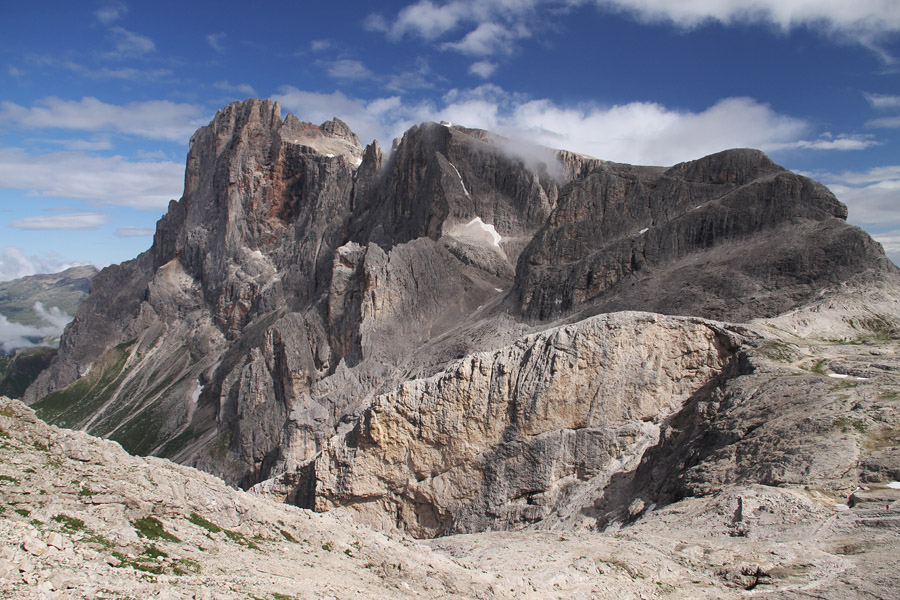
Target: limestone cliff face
<point x="505" y="438"/>
<point x="303" y="282"/>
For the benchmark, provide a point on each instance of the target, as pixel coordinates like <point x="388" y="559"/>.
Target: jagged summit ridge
<point x="302" y="276"/>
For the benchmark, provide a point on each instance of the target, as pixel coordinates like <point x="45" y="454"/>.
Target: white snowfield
<point x="488" y="229"/>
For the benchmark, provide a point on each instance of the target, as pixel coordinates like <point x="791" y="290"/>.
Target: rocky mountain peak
<point x="737" y="166"/>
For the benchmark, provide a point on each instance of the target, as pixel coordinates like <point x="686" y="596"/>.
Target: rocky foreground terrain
<point x="80" y="518"/>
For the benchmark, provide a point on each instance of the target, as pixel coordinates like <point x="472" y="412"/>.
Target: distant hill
<point x="64" y="290"/>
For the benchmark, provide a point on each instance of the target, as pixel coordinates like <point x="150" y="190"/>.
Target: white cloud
<point x="155" y="119"/>
<point x="835" y="15"/>
<point x="63" y="222"/>
<point x="883" y="101"/>
<point x="483" y="68"/>
<point x="639" y="132"/>
<point x="111" y="13"/>
<point x="215" y="41"/>
<point x="346" y="69"/>
<point x="15" y="264"/>
<point x="100" y="180"/>
<point x="885" y="122"/>
<point x="17" y="335"/>
<point x="488" y="39"/>
<point x="127" y="232"/>
<point x="866" y="22"/>
<point x="129" y="44"/>
<point x="319" y="45"/>
<point x="829" y="142"/>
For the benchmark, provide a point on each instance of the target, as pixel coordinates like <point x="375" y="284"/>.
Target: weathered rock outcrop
<point x="302" y="282"/>
<point x="505" y="438"/>
<point x="731" y="236"/>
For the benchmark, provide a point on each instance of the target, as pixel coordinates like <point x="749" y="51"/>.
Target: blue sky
<point x="98" y="100"/>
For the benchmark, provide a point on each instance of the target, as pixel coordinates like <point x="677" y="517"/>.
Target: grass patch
<point x="154" y="552"/>
<point x="201" y="522"/>
<point x="69" y="523"/>
<point x="240" y="539"/>
<point x="818" y="367"/>
<point x="185" y="566"/>
<point x="23" y="512"/>
<point x="286" y="535"/>
<point x="847" y="424"/>
<point x="85" y="492"/>
<point x="152" y="529"/>
<point x="75" y="403"/>
<point x="8" y="479"/>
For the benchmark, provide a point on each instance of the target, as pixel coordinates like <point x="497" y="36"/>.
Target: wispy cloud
<point x="17" y="335"/>
<point x="242" y="89"/>
<point x="156" y="119"/>
<point x="110" y="13"/>
<point x="100" y="180"/>
<point x="129" y="232"/>
<point x="829" y="142"/>
<point x="129" y="44"/>
<point x="215" y="41"/>
<point x="885" y="103"/>
<point x="63" y="222"/>
<point x="14" y="263"/>
<point x="347" y="70"/>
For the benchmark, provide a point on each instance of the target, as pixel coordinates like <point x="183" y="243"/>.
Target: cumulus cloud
<point x="155" y="119"/>
<point x="866" y="22"/>
<point x="14" y="263"/>
<point x="63" y="222"/>
<point x="483" y="68"/>
<point x="17" y="335"/>
<point x="493" y="27"/>
<point x="100" y="180"/>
